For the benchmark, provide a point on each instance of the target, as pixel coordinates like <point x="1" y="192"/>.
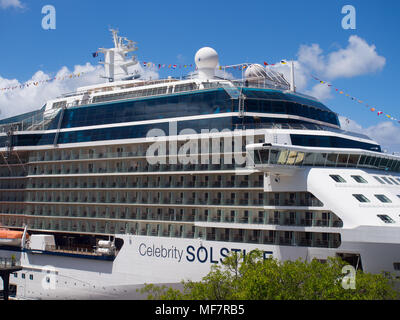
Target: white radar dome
<point x="206" y="60"/>
<point x="255" y="71"/>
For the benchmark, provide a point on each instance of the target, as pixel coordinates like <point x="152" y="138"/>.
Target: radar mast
<point x="116" y="60"/>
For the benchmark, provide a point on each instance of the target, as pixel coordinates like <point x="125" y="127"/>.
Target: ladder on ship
<point x="242" y="97"/>
<point x="7" y="154"/>
<point x="59" y="126"/>
<point x="236" y="94"/>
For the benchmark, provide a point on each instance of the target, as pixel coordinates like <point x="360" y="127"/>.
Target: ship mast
<point x="116" y="60"/>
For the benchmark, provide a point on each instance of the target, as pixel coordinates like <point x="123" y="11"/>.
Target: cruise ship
<point x="138" y="181"/>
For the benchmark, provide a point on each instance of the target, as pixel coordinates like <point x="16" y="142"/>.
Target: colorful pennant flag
<point x="372" y="109"/>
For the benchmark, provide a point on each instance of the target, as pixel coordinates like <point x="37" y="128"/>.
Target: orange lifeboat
<point x="10" y="238"/>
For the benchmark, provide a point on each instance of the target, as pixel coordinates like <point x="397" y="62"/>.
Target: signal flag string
<point x="37" y="83"/>
<point x="371" y="108"/>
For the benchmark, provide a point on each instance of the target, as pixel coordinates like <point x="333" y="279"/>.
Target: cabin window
<point x="337" y="178"/>
<point x="361" y="198"/>
<point x="385" y="218"/>
<point x="379" y="180"/>
<point x="359" y="179"/>
<point x="387" y="180"/>
<point x="383" y="198"/>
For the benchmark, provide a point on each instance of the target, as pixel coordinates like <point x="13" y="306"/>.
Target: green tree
<point x="254" y="278"/>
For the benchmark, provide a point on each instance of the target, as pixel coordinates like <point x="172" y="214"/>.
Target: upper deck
<point x="129" y="107"/>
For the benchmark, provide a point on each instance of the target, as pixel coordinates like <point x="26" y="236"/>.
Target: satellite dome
<point x="206" y="60"/>
<point x="255" y="71"/>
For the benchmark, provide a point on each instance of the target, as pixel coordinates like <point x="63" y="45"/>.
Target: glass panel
<point x="353" y="160"/>
<point x="331" y="160"/>
<point x="300" y="158"/>
<point x="264" y="155"/>
<point x="371" y="162"/>
<point x="375" y="162"/>
<point x="342" y="160"/>
<point x="359" y="179"/>
<point x="273" y="156"/>
<point x="394" y="165"/>
<point x="283" y="154"/>
<point x="362" y="160"/>
<point x="389" y="164"/>
<point x="337" y="178"/>
<point x="385" y="218"/>
<point x="383" y="198"/>
<point x="320" y="159"/>
<point x="361" y="197"/>
<point x="379" y="180"/>
<point x="368" y="161"/>
<point x="309" y="159"/>
<point x="387" y="180"/>
<point x="382" y="163"/>
<point x="291" y="158"/>
<point x="257" y="159"/>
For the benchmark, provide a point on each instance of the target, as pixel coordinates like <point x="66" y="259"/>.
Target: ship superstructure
<point x="152" y="181"/>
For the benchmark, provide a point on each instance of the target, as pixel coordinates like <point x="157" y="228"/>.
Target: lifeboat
<point x="10" y="238"/>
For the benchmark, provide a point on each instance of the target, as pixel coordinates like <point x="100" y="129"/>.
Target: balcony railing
<point x="9" y="263"/>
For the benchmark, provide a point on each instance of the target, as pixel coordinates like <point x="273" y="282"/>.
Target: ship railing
<point x="268" y="156"/>
<point x="298" y="126"/>
<point x="227" y="84"/>
<point x="72" y="250"/>
<point x="36" y="122"/>
<point x="9" y="263"/>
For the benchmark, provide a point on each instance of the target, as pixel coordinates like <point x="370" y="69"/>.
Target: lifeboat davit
<point x="10" y="238"/>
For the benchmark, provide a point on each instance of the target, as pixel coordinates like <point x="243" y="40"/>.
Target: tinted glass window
<point x="337" y="178"/>
<point x="361" y="197"/>
<point x="385" y="218"/>
<point x="379" y="180"/>
<point x="387" y="180"/>
<point x="195" y="103"/>
<point x="330" y="142"/>
<point x="383" y="198"/>
<point x="359" y="179"/>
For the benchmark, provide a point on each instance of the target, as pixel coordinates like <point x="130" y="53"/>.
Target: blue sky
<point x="254" y="31"/>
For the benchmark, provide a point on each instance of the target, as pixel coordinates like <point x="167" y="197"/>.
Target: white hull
<point x="159" y="260"/>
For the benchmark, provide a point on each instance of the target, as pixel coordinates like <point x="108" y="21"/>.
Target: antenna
<point x="292" y="84"/>
<point x="116" y="60"/>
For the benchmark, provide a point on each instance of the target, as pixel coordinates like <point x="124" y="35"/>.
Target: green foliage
<point x="253" y="278"/>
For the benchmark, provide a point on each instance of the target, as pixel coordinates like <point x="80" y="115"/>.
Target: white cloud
<point x="25" y="99"/>
<point x="320" y="91"/>
<point x="386" y="133"/>
<point x="311" y="57"/>
<point x="4" y="4"/>
<point x="358" y="58"/>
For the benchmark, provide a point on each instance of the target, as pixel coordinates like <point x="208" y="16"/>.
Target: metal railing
<point x="9" y="263"/>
